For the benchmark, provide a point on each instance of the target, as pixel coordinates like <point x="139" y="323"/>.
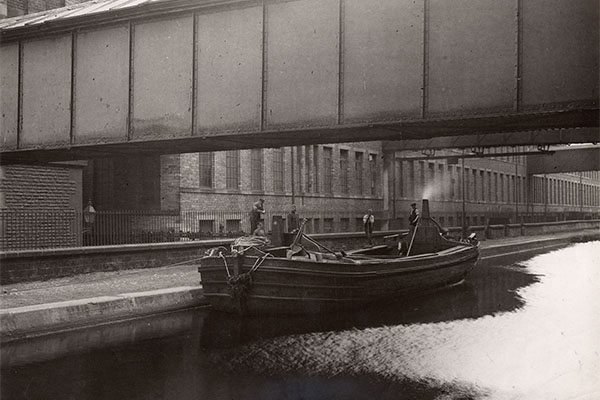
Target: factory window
<point x="316" y="171"/>
<point x="232" y="225"/>
<point x="475" y="186"/>
<point x="344" y="171"/>
<point x="344" y="224"/>
<point x="328" y="225"/>
<point x="452" y="182"/>
<point x="441" y="183"/>
<point x="206" y="226"/>
<point x="297" y="167"/>
<point x="328" y="169"/>
<point x="358" y="169"/>
<point x="256" y="168"/>
<point x="410" y="185"/>
<point x="232" y="169"/>
<point x="206" y="169"/>
<point x="482" y="185"/>
<point x="399" y="170"/>
<point x="278" y="171"/>
<point x="307" y="180"/>
<point x="489" y="186"/>
<point x="373" y="173"/>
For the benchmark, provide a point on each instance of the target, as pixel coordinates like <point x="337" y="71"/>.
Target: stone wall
<point x="42" y="265"/>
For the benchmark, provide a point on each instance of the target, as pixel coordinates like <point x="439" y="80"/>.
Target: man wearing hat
<point x="413" y="218"/>
<point x="257" y="209"/>
<point x="369" y="223"/>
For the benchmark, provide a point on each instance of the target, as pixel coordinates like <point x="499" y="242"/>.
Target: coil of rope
<point x="245" y="243"/>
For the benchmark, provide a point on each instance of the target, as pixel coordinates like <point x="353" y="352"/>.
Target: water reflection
<point x="546" y="349"/>
<point x="513" y="331"/>
<point x="489" y="290"/>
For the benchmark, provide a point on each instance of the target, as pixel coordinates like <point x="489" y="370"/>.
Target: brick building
<point x="333" y="185"/>
<point x="13" y="8"/>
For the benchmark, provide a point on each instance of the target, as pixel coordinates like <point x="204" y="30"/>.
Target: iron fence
<point x="20" y="230"/>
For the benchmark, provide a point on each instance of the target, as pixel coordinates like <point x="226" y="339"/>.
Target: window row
<point x="548" y="190"/>
<point x="315" y="169"/>
<point x="437" y="181"/>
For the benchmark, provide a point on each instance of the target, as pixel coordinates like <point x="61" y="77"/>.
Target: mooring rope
<point x="259" y="262"/>
<point x="225" y="261"/>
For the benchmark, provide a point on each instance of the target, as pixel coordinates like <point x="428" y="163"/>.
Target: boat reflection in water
<point x="487" y="291"/>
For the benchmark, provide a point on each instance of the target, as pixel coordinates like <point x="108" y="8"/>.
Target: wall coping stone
<point x="75" y="251"/>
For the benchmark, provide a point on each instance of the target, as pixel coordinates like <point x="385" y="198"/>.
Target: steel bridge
<point x="173" y="76"/>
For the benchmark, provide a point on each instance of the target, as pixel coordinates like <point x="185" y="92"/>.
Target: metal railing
<point x="21" y="230"/>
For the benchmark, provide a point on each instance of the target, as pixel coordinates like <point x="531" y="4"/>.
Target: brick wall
<point x="16" y="7"/>
<point x="307" y="197"/>
<point x="39" y="206"/>
<point x="39" y="188"/>
<point x="20" y="7"/>
<point x="43" y="5"/>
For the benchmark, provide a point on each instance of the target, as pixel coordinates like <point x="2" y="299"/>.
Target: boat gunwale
<point x="443" y="261"/>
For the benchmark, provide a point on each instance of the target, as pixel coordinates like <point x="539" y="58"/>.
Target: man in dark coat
<point x="413" y="218"/>
<point x="257" y="209"/>
<point x="293" y="221"/>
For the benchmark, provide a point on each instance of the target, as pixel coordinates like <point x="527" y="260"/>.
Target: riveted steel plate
<point x="229" y="70"/>
<point x="162" y="78"/>
<point x="46" y="85"/>
<point x="472" y="56"/>
<point x="382" y="59"/>
<point x="302" y="63"/>
<point x="101" y="85"/>
<point x="9" y="100"/>
<point x="560" y="51"/>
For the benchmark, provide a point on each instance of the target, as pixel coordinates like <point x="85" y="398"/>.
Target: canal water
<point x="517" y="329"/>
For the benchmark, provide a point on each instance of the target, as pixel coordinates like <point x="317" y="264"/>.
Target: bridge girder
<point x="564" y="160"/>
<point x="522" y="138"/>
<point x="465" y="132"/>
<point x="116" y="78"/>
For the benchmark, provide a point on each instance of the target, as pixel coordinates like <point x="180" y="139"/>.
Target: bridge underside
<point x="521" y="138"/>
<point x="561" y="161"/>
<point x="175" y="76"/>
<point x="579" y="126"/>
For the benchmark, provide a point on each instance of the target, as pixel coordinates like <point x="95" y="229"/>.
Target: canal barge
<point x="306" y="277"/>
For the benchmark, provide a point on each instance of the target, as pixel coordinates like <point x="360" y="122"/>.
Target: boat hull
<point x="303" y="286"/>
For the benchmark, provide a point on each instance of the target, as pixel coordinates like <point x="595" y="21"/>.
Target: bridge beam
<point x="173" y="76"/>
<point x="569" y="160"/>
<point x="446" y="133"/>
<point x="521" y="138"/>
